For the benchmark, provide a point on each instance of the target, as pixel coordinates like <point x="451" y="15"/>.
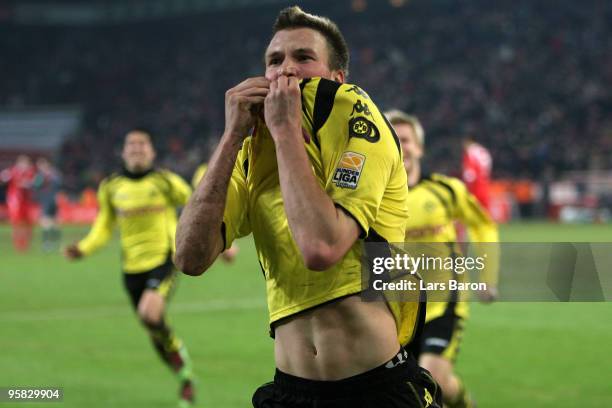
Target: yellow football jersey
<point x="435" y="203"/>
<point x="356" y="158"/>
<point x="198" y="174"/>
<point x="145" y="209"/>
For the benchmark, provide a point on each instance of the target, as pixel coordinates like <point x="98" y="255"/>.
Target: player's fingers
<point x="274" y="86"/>
<point x="284" y="82"/>
<point x="255" y="82"/>
<point x="253" y="100"/>
<point x="254" y="91"/>
<point x="293" y="83"/>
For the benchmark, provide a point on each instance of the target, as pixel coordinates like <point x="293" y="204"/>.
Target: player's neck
<point x="136" y="172"/>
<point x="414" y="175"/>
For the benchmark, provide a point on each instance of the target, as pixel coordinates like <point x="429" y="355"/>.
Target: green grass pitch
<point x="70" y="325"/>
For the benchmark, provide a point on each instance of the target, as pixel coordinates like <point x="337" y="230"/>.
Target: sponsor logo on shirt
<point x="349" y="170"/>
<point x="364" y="129"/>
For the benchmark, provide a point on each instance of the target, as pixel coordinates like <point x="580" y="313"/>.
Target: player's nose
<point x="288" y="69"/>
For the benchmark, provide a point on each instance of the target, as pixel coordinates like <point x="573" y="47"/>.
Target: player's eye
<point x="274" y="61"/>
<point x="305" y="58"/>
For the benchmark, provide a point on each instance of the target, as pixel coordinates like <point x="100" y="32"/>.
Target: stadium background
<point x="526" y="78"/>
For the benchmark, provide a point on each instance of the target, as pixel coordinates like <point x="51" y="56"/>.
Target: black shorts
<point x="405" y="385"/>
<point x="442" y="336"/>
<point x="161" y="279"/>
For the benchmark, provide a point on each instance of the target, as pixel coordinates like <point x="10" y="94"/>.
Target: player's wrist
<point x="286" y="133"/>
<point x="233" y="133"/>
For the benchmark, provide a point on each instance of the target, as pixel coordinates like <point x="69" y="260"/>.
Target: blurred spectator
<point x="47" y="183"/>
<point x="20" y="179"/>
<point x="526" y="78"/>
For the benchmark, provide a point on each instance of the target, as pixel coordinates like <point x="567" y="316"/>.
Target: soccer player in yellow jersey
<point x="320" y="174"/>
<point x="435" y="203"/>
<point x="143" y="202"/>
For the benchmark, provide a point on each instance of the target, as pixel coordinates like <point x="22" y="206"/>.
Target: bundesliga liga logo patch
<point x="349" y="170"/>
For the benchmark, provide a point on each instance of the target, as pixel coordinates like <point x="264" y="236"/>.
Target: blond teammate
<point x="435" y="203"/>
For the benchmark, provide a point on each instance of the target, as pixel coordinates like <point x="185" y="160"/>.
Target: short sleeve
<point x="180" y="191"/>
<point x="363" y="154"/>
<point x="235" y="218"/>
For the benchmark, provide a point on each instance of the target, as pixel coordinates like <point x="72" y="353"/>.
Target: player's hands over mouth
<point x="242" y="105"/>
<point x="283" y="107"/>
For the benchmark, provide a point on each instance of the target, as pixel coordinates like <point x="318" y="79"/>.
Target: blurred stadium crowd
<point x="530" y="80"/>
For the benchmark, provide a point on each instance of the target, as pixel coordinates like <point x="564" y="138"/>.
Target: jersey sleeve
<point x="198" y="175"/>
<point x="102" y="228"/>
<point x="180" y="191"/>
<point x="481" y="228"/>
<point x="235" y="218"/>
<point x="360" y="153"/>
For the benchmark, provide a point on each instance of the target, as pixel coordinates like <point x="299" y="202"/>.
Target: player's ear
<point x="338" y="76"/>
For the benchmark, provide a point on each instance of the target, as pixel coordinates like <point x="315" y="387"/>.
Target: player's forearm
<point x="198" y="235"/>
<point x="318" y="227"/>
<point x="99" y="235"/>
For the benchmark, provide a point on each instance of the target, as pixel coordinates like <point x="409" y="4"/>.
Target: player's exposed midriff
<point x="336" y="340"/>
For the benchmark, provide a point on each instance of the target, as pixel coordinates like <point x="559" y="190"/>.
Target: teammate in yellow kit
<point x="435" y="202"/>
<point x="143" y="201"/>
<point x="321" y="174"/>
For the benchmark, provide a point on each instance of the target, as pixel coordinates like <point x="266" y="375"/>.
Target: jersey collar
<point x="133" y="175"/>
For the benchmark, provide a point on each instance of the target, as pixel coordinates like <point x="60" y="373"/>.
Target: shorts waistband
<point x="401" y="367"/>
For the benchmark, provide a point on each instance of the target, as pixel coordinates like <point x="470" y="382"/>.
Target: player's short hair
<point x="397" y="117"/>
<point x="144" y="131"/>
<point x="295" y="17"/>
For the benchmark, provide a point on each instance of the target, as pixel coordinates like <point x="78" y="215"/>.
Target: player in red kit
<point x="477" y="164"/>
<point x="20" y="178"/>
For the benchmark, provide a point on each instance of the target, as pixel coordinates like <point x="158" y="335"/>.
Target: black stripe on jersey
<point x="395" y="138"/>
<point x="323" y="105"/>
<point x="449" y="188"/>
<point x="433" y="190"/>
<point x="303" y="84"/>
<point x="414" y="344"/>
<point x="374" y="236"/>
<point x="362" y="232"/>
<point x="245" y="166"/>
<point x="223" y="232"/>
<point x="372" y="252"/>
<point x="454" y="295"/>
<point x="478" y="210"/>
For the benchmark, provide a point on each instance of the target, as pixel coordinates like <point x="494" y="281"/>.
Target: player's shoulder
<point x="202" y="168"/>
<point x="167" y="175"/>
<point x="109" y="183"/>
<point x="453" y="185"/>
<point x="163" y="172"/>
<point x="325" y="91"/>
<point x="349" y="106"/>
<point x="112" y="178"/>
